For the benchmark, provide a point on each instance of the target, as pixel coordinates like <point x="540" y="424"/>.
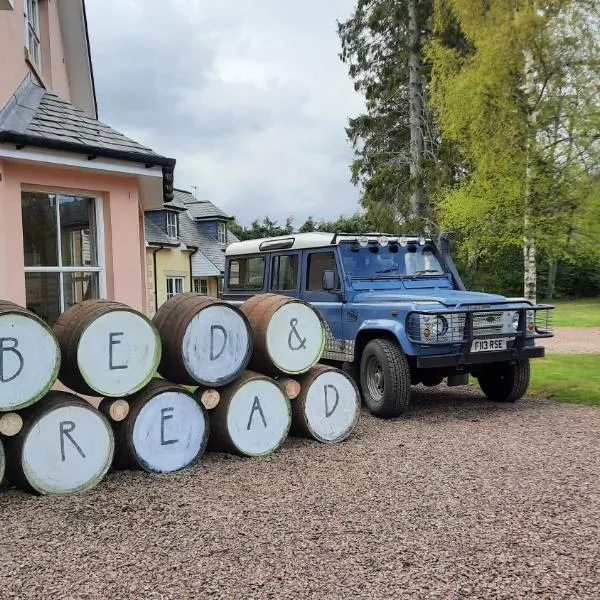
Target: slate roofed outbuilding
<point x="200" y="209"/>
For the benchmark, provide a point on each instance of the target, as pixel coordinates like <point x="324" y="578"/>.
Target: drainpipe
<point x="155" y="277"/>
<point x="194" y="250"/>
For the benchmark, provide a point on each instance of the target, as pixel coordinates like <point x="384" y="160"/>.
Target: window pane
<point x="40" y="241"/>
<point x="80" y="286"/>
<point x="77" y="231"/>
<point x="318" y="263"/>
<point x="43" y="295"/>
<point x="247" y="273"/>
<point x="284" y="272"/>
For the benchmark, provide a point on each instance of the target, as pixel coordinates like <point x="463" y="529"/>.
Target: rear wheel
<point x="505" y="383"/>
<point x="385" y="378"/>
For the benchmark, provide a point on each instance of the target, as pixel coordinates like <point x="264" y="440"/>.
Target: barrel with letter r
<point x="205" y="341"/>
<point x="328" y="406"/>
<point x="289" y="335"/>
<point x="65" y="446"/>
<point x="29" y="357"/>
<point x="252" y="418"/>
<point x="165" y="430"/>
<point x="108" y="348"/>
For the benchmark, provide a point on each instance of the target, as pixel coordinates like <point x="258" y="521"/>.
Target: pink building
<point x="73" y="191"/>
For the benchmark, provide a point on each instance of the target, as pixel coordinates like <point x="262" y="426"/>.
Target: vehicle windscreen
<point x="375" y="261"/>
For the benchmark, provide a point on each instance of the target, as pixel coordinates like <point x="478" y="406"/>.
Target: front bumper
<point x="438" y="361"/>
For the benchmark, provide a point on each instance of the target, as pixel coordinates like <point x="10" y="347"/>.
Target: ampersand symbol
<point x="294" y="331"/>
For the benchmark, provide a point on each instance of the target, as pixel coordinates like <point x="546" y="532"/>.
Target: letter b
<point x="10" y="345"/>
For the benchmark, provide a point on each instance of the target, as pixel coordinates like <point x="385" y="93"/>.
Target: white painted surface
<point x="79" y="462"/>
<point x="210" y="358"/>
<point x="138" y="349"/>
<point x="295" y="338"/>
<point x="25" y="378"/>
<point x="169" y="432"/>
<point x="331" y="416"/>
<point x="258" y="417"/>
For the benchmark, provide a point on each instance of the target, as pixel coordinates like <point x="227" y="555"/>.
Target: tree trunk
<point x="417" y="146"/>
<point x="530" y="268"/>
<point x="552" y="270"/>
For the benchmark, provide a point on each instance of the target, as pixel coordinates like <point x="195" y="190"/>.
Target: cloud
<point x="249" y="97"/>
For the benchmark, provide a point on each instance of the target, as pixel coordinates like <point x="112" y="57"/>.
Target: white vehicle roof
<point x="300" y="241"/>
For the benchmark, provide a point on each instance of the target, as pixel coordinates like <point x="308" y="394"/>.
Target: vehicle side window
<point x="318" y="263"/>
<point x="284" y="272"/>
<point x="246" y="273"/>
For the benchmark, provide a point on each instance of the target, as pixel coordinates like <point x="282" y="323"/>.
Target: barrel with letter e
<point x="165" y="430"/>
<point x="289" y="335"/>
<point x="29" y="357"/>
<point x="205" y="341"/>
<point x="328" y="406"/>
<point x="108" y="348"/>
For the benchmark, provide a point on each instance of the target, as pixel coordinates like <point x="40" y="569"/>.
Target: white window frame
<point x="172" y="282"/>
<point x="32" y="30"/>
<point x="200" y="283"/>
<point x="222" y="233"/>
<point x="172" y="225"/>
<point x="99" y="226"/>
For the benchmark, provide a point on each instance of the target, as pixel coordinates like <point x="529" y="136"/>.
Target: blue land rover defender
<point x="397" y="313"/>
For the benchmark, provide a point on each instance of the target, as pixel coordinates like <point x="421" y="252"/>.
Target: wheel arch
<point x="371" y="331"/>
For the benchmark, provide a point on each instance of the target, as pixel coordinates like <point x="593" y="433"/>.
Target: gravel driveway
<point x="462" y="498"/>
<point x="573" y="340"/>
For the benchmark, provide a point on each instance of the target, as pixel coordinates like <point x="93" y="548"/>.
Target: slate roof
<point x="155" y="236"/>
<point x="36" y="117"/>
<point x="200" y="209"/>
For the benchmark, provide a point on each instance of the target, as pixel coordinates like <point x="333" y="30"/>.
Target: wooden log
<point x="29" y="357"/>
<point x="328" y="406"/>
<point x="291" y="387"/>
<point x="205" y="341"/>
<point x="253" y="417"/>
<point x="166" y="429"/>
<point x="114" y="409"/>
<point x="10" y="424"/>
<point x="209" y="397"/>
<point x="108" y="348"/>
<point x="65" y="446"/>
<point x="289" y="335"/>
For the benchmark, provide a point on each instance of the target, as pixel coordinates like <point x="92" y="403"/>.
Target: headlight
<point x="436" y="325"/>
<point x="515" y="321"/>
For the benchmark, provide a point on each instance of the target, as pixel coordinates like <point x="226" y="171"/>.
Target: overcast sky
<point x="250" y="97"/>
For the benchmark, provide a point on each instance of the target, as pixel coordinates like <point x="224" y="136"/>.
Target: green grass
<point x="576" y="313"/>
<point x="573" y="378"/>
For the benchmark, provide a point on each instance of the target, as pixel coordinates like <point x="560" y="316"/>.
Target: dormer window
<point x="32" y="30"/>
<point x="172" y="229"/>
<point x="222" y="233"/>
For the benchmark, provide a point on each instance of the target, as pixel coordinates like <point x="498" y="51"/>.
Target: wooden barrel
<point x="108" y="348"/>
<point x="289" y="335"/>
<point x="29" y="357"/>
<point x="2" y="461"/>
<point x="328" y="406"/>
<point x="205" y="341"/>
<point x="252" y="418"/>
<point x="65" y="446"/>
<point x="166" y="429"/>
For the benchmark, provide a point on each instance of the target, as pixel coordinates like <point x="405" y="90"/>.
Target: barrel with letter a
<point x="65" y="446"/>
<point x="289" y="334"/>
<point x="108" y="348"/>
<point x="328" y="406"/>
<point x="166" y="429"/>
<point x="29" y="357"/>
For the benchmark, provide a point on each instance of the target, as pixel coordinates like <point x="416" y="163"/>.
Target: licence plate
<point x="487" y="345"/>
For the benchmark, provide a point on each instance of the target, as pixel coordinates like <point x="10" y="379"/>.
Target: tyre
<point x="506" y="382"/>
<point x="385" y="378"/>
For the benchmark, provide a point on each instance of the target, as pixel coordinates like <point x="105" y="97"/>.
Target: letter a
<point x="256" y="406"/>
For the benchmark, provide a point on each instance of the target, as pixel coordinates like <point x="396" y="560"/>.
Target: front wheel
<point x="506" y="382"/>
<point x="385" y="378"/>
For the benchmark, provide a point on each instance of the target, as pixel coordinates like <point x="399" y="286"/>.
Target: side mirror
<point x="328" y="280"/>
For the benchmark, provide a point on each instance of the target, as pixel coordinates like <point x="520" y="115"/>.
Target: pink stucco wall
<point x="123" y="234"/>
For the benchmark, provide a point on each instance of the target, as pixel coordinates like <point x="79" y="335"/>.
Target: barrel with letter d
<point x="252" y="418"/>
<point x="166" y="429"/>
<point x="29" y="357"/>
<point x="65" y="446"/>
<point x="205" y="341"/>
<point x="328" y="406"/>
<point x="289" y="335"/>
<point x="109" y="349"/>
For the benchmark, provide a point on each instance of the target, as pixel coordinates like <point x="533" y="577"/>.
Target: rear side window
<point x="284" y="272"/>
<point x="246" y="273"/>
<point x="318" y="263"/>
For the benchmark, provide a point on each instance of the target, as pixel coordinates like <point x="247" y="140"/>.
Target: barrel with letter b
<point x="29" y="357"/>
<point x="289" y="335"/>
<point x="166" y="429"/>
<point x="65" y="446"/>
<point x="205" y="341"/>
<point x="108" y="348"/>
<point x="328" y="406"/>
